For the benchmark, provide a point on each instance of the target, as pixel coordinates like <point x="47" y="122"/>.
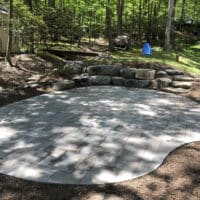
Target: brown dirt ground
<point x="177" y="178"/>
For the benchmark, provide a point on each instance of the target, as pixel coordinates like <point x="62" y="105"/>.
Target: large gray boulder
<point x="183" y="78"/>
<point x="145" y="74"/>
<point x="161" y="74"/>
<point x="63" y="85"/>
<point x="175" y="90"/>
<point x="110" y="70"/>
<point x="122" y="41"/>
<point x="182" y="84"/>
<point x="137" y="83"/>
<point x="174" y="72"/>
<point x="100" y="80"/>
<point x="128" y="72"/>
<point x="71" y="69"/>
<point x="116" y="80"/>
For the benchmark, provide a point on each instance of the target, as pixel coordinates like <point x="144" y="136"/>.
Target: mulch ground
<point x="177" y="178"/>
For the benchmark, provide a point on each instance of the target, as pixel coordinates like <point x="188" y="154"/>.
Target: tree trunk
<point x="183" y="11"/>
<point x="31" y="34"/>
<point x="10" y="34"/>
<point x="51" y="3"/>
<point x="140" y="20"/>
<point x="169" y="25"/>
<point x="120" y="9"/>
<point x="109" y="26"/>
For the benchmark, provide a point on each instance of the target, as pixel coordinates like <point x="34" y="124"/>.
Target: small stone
<point x="145" y="74"/>
<point x="174" y="72"/>
<point x="183" y="78"/>
<point x="34" y="85"/>
<point x="182" y="84"/>
<point x="100" y="80"/>
<point x="116" y="80"/>
<point x="137" y="83"/>
<point x="161" y="74"/>
<point x="35" y="77"/>
<point x="128" y="72"/>
<point x="96" y="197"/>
<point x="63" y="85"/>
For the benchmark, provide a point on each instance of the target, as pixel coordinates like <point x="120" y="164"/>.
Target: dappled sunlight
<point x="145" y="110"/>
<point x="94" y="135"/>
<point x="6" y="133"/>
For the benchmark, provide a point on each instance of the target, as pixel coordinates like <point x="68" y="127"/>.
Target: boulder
<point x="137" y="83"/>
<point x="116" y="80"/>
<point x="63" y="85"/>
<point x="161" y="74"/>
<point x="183" y="78"/>
<point x="119" y="65"/>
<point x="174" y="72"/>
<point x="110" y="70"/>
<point x="122" y="41"/>
<point x="100" y="80"/>
<point x="182" y="84"/>
<point x="164" y="82"/>
<point x="128" y="72"/>
<point x="82" y="80"/>
<point x="71" y="69"/>
<point x="154" y="84"/>
<point x="175" y="90"/>
<point x="146" y="74"/>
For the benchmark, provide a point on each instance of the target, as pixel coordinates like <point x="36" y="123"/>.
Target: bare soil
<point x="30" y="76"/>
<point x="177" y="178"/>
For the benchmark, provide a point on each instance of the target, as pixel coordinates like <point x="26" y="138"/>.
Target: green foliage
<point x="38" y="22"/>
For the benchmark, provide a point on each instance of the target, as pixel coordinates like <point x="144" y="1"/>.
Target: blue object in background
<point x="146" y="50"/>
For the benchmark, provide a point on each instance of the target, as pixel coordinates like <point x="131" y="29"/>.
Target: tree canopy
<point x="39" y="21"/>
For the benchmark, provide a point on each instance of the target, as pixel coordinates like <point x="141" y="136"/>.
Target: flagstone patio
<point x="94" y="135"/>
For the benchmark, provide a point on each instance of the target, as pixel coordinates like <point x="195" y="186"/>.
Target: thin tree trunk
<point x="140" y="20"/>
<point x="157" y="19"/>
<point x="10" y="34"/>
<point x="120" y="9"/>
<point x="173" y="36"/>
<point x="32" y="32"/>
<point x="169" y="26"/>
<point x="109" y="26"/>
<point x="183" y="10"/>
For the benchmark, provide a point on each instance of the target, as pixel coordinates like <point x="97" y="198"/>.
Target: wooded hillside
<point x="70" y="20"/>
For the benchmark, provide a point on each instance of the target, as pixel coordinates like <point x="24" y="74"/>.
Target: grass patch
<point x="189" y="58"/>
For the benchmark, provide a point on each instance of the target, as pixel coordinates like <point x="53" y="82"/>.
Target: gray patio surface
<point x="94" y="135"/>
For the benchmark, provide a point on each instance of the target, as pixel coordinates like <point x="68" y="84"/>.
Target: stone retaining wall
<point x="166" y="79"/>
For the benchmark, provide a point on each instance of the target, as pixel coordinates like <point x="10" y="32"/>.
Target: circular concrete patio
<point x="94" y="135"/>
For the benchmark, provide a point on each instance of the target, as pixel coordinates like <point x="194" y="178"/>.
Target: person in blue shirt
<point x="147" y="50"/>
